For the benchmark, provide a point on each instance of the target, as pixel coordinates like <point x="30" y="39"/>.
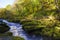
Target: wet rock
<point x="4" y="27"/>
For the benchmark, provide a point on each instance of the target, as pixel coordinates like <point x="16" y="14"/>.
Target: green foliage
<point x="40" y="16"/>
<point x="2" y="13"/>
<point x="29" y="24"/>
<point x="35" y="9"/>
<point x="17" y="38"/>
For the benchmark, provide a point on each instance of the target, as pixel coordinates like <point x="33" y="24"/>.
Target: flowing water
<point x="17" y="30"/>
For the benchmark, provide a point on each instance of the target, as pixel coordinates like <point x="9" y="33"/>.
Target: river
<point x="17" y="30"/>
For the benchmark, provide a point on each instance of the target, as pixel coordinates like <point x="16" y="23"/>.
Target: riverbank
<point x="5" y="34"/>
<point x="42" y="27"/>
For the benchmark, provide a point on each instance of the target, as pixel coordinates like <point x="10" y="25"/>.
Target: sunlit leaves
<point x="36" y="8"/>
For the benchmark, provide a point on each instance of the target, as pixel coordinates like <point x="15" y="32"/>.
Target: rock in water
<point x="4" y="27"/>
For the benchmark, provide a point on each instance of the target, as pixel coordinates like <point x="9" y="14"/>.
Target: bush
<point x="30" y="25"/>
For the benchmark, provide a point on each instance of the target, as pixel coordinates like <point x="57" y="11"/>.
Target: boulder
<point x="4" y="27"/>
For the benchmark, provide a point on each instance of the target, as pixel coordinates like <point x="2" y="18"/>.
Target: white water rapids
<point x="17" y="30"/>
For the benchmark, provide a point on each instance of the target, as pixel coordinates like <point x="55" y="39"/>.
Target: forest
<point x="39" y="17"/>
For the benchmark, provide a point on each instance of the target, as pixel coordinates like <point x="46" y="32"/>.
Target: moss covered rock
<point x="6" y="34"/>
<point x="3" y="27"/>
<point x="17" y="38"/>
